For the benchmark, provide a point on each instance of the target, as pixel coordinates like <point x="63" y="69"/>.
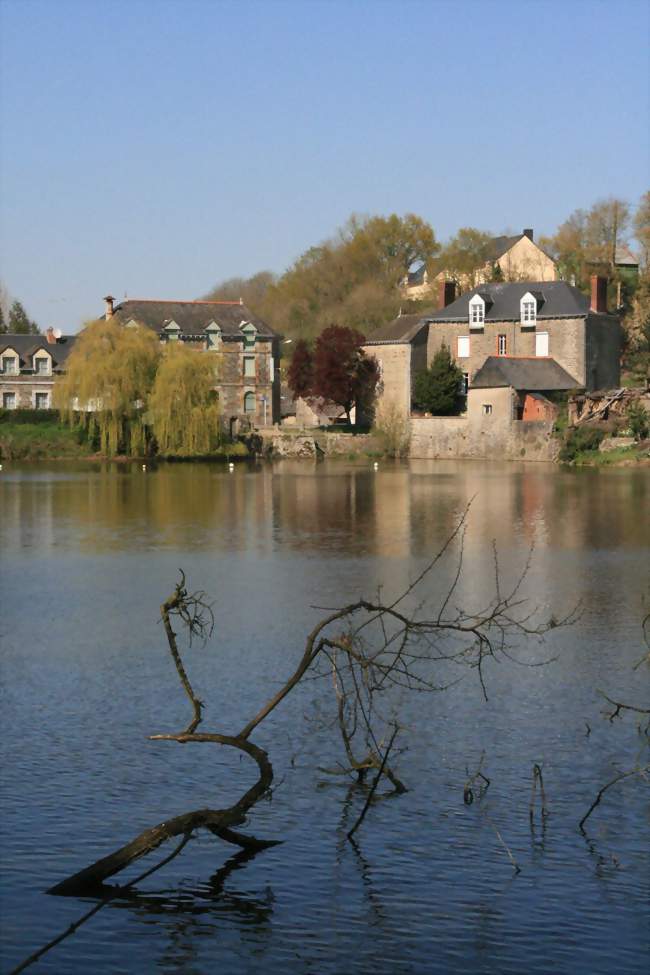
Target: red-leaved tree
<point x="300" y="375"/>
<point x="343" y="373"/>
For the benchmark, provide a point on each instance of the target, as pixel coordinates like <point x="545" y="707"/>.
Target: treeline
<point x="17" y="321"/>
<point x="354" y="279"/>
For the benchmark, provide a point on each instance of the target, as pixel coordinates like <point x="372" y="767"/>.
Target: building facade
<point x="29" y="366"/>
<point x="246" y="351"/>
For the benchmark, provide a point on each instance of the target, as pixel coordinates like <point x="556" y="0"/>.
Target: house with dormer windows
<point x="533" y="337"/>
<point x="29" y="366"/>
<point x="246" y="350"/>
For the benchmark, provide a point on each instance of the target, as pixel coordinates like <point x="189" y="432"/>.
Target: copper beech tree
<point x="365" y="650"/>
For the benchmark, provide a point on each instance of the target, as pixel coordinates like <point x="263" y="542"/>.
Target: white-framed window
<point x="487" y="409"/>
<point x="172" y="331"/>
<point x="10" y="365"/>
<point x="41" y="401"/>
<point x="42" y="365"/>
<point x="250" y="333"/>
<point x="8" y="401"/>
<point x="463" y="346"/>
<point x="249" y="402"/>
<point x="541" y="343"/>
<point x="502" y="345"/>
<point x="249" y="367"/>
<point x="476" y="312"/>
<point x="528" y="309"/>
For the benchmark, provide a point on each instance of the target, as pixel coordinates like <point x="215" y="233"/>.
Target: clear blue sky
<point x="155" y="147"/>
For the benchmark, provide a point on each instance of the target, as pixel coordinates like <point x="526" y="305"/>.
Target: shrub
<point x="437" y="389"/>
<point x="393" y="430"/>
<point x="638" y="420"/>
<point x="580" y="440"/>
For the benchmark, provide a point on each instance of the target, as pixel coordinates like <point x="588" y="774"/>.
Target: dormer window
<point x="172" y="331"/>
<point x="10" y="365"/>
<point x="213" y="333"/>
<point x="528" y="309"/>
<point x="249" y="332"/>
<point x="42" y="365"/>
<point x="476" y="312"/>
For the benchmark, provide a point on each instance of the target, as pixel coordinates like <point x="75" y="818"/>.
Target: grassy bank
<point x="39" y="441"/>
<point x="634" y="456"/>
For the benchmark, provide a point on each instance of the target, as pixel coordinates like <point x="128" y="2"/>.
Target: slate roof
<point x="192" y="317"/>
<point x="401" y="329"/>
<point x="27" y="345"/>
<point x="555" y="299"/>
<point x="523" y="374"/>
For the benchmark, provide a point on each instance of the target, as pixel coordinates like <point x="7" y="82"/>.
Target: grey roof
<point x="27" y="345"/>
<point x="523" y="374"/>
<point x="417" y="277"/>
<point x="555" y="299"/>
<point x="625" y="257"/>
<point x="402" y="329"/>
<point x="192" y="317"/>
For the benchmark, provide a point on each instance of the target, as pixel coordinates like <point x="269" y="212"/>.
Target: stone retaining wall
<point x="457" y="437"/>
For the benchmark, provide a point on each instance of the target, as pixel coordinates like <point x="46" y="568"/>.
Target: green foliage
<point x="3" y="324"/>
<point x="393" y="430"/>
<point x="46" y="438"/>
<point x="183" y="406"/>
<point x="638" y="420"/>
<point x="110" y="371"/>
<point x="436" y="390"/>
<point x="19" y="323"/>
<point x="465" y="254"/>
<point x="23" y="415"/>
<point x="580" y="440"/>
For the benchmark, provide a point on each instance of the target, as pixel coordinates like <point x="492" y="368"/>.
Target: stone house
<point x="539" y="322"/>
<point x="518" y="257"/>
<point x="246" y="351"/>
<point x="29" y="366"/>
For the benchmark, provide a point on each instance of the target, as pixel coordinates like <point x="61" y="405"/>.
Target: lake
<point x="90" y="550"/>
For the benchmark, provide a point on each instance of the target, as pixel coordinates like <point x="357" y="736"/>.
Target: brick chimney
<point x="109" y="299"/>
<point x="598" y="294"/>
<point x="528" y="232"/>
<point x="446" y="293"/>
<point x="50" y="336"/>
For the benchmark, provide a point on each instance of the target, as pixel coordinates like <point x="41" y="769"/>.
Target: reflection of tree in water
<point x="185" y="916"/>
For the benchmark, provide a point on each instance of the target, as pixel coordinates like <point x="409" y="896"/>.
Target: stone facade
<point x="29" y="366"/>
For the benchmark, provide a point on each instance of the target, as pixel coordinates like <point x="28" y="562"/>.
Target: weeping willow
<point x="183" y="407"/>
<point x="109" y="376"/>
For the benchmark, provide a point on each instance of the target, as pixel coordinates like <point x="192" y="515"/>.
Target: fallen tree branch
<point x="601" y="793"/>
<point x="374" y="785"/>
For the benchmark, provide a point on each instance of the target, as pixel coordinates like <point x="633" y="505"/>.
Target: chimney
<point x="109" y="299"/>
<point x="446" y="293"/>
<point x="599" y="294"/>
<point x="528" y="232"/>
<point x="50" y="336"/>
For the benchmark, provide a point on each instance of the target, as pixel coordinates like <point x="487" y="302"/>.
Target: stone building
<point x="246" y="350"/>
<point x="29" y="366"/>
<point x="518" y="258"/>
<point x="539" y="322"/>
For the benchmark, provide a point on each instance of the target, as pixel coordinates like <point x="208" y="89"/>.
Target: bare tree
<point x="365" y="649"/>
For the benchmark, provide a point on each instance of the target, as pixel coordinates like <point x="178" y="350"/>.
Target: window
<point x="463" y="346"/>
<point x="10" y="365"/>
<point x="249" y="367"/>
<point x="528" y="309"/>
<point x="502" y="345"/>
<point x="172" y="331"/>
<point x="249" y="402"/>
<point x="476" y="312"/>
<point x="42" y="366"/>
<point x="41" y="401"/>
<point x="487" y="409"/>
<point x="249" y="334"/>
<point x="9" y="401"/>
<point x="214" y="335"/>
<point x="464" y="384"/>
<point x="541" y="343"/>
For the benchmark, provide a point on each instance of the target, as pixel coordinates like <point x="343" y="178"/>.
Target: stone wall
<point x="458" y="437"/>
<point x="280" y="443"/>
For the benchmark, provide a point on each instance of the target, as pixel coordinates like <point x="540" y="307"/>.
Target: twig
<point x="514" y="863"/>
<point x="374" y="785"/>
<point x="537" y="776"/>
<point x="618" y="778"/>
<point x="86" y="917"/>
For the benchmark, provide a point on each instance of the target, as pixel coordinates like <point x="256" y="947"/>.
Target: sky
<point x="153" y="148"/>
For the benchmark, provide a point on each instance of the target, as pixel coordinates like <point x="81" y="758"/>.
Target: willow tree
<point x="183" y="407"/>
<point x="109" y="376"/>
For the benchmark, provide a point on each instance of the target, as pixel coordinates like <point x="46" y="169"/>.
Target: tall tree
<point x="109" y="376"/>
<point x="252" y="291"/>
<point x="641" y="227"/>
<point x="437" y="389"/>
<point x="343" y="373"/>
<point x="465" y="254"/>
<point x="300" y="375"/>
<point x="3" y="324"/>
<point x="588" y="240"/>
<point x="183" y="406"/>
<point x="19" y="322"/>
